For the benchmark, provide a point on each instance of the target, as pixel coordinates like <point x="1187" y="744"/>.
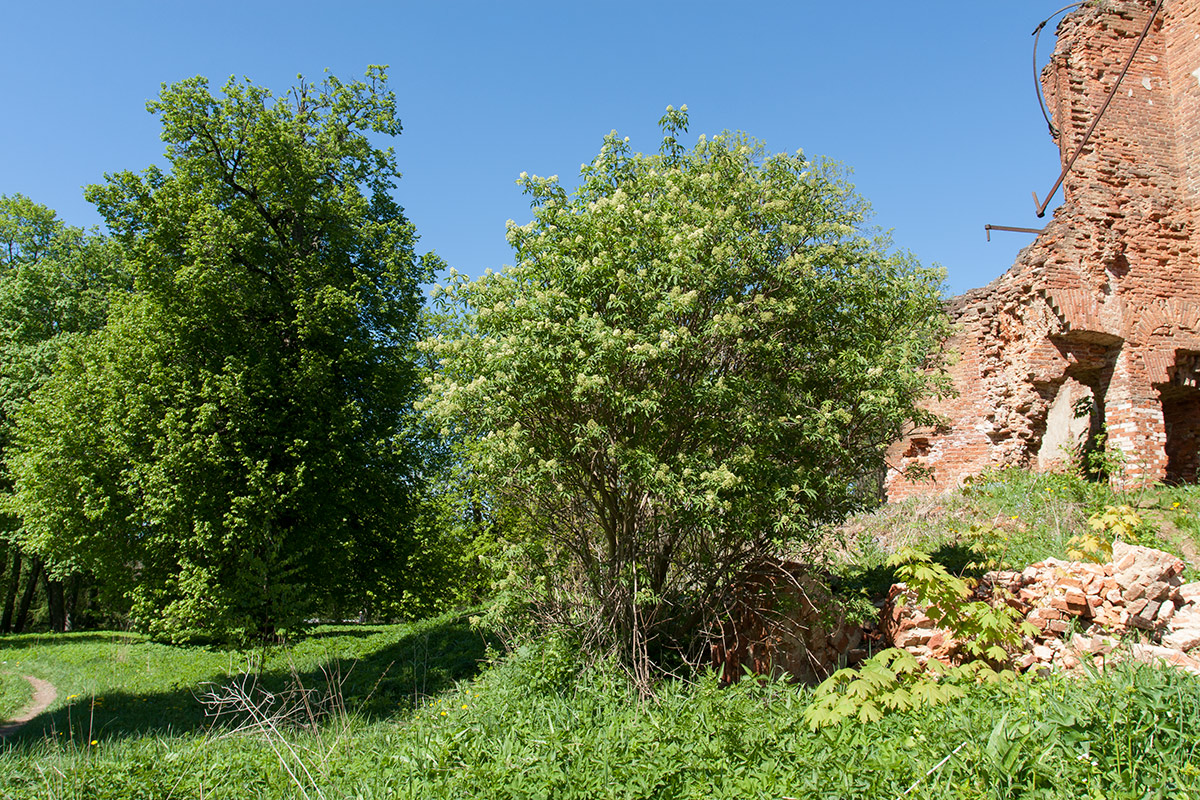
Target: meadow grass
<point x="427" y="710"/>
<point x="119" y="684"/>
<point x="1129" y="732"/>
<point x="15" y="693"/>
<point x="1017" y="517"/>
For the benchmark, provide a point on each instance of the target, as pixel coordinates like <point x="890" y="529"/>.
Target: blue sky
<point x="931" y="104"/>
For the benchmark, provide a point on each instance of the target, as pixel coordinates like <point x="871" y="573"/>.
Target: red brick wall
<point x="1109" y="293"/>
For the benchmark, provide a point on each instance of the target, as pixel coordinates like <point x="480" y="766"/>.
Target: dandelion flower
<point x="95" y="742"/>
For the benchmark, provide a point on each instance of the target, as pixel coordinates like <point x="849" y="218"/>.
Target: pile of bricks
<point x="1081" y="611"/>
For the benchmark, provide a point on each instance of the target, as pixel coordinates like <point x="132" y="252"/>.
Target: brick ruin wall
<point x="1102" y="311"/>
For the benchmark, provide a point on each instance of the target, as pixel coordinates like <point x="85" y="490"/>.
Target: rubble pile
<point x="1081" y="611"/>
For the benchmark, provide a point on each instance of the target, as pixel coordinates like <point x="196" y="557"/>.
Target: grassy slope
<point x="1022" y="517"/>
<point x="420" y="722"/>
<point x="15" y="693"/>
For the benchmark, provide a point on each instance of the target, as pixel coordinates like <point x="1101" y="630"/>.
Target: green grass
<point x="419" y="711"/>
<point x="115" y="685"/>
<point x="1024" y="517"/>
<point x="15" y="694"/>
<point x="1131" y="732"/>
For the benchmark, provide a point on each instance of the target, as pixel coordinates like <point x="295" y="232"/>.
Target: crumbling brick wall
<point x="1103" y="309"/>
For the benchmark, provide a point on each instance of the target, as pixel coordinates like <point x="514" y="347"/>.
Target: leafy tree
<point x="55" y="282"/>
<point x="698" y="357"/>
<point x="229" y="451"/>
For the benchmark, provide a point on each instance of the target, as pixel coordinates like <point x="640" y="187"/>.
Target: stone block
<point x="1184" y="639"/>
<point x="912" y="638"/>
<point x="1186" y="617"/>
<point x="1159" y="590"/>
<point x="1146" y="617"/>
<point x="1150" y="653"/>
<point x="1135" y="591"/>
<point x="1136" y="564"/>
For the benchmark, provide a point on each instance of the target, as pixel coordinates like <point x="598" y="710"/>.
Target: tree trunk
<point x="54" y="603"/>
<point x="35" y="571"/>
<point x="71" y="604"/>
<point x="10" y="592"/>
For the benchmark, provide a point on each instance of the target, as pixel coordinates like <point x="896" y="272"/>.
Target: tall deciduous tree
<point x="230" y="448"/>
<point x="698" y="357"/>
<point x="55" y="283"/>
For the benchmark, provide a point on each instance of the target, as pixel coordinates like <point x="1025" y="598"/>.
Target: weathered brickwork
<point x="1105" y="305"/>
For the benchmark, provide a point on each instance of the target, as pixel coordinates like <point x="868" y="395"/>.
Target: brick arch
<point x="1076" y="309"/>
<point x="1164" y="318"/>
<point x="1165" y="327"/>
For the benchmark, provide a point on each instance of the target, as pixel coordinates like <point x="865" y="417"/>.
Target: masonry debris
<point x="783" y="620"/>
<point x="1083" y="612"/>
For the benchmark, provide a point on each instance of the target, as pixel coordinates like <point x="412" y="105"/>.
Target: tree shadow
<point x="16" y="641"/>
<point x="874" y="582"/>
<point x="382" y="683"/>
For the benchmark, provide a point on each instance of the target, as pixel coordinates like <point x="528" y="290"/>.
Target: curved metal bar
<point x="1037" y="82"/>
<point x="1041" y="210"/>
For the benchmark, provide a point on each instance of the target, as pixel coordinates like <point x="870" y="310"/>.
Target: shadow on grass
<point x="16" y="641"/>
<point x="376" y="684"/>
<point x="875" y="581"/>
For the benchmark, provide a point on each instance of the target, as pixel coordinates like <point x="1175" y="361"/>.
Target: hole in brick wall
<point x="1181" y="415"/>
<point x="1075" y="414"/>
<point x="1117" y="265"/>
<point x="918" y="446"/>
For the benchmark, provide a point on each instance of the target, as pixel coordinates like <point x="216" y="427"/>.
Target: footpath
<point x="44" y="694"/>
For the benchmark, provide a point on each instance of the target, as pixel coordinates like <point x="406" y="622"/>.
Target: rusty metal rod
<point x="1041" y="205"/>
<point x="1037" y="83"/>
<point x="990" y="228"/>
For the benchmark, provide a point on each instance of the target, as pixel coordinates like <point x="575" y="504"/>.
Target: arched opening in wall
<point x="1073" y="418"/>
<point x="1071" y="431"/>
<point x="1181" y="418"/>
<point x="1181" y="415"/>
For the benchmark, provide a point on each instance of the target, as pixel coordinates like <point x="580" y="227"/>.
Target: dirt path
<point x="43" y="695"/>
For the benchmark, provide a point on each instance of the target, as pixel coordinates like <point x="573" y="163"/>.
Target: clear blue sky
<point x="930" y="103"/>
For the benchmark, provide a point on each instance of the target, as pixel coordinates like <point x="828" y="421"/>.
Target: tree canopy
<point x="55" y="284"/>
<point x="698" y="356"/>
<point x="229" y="450"/>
